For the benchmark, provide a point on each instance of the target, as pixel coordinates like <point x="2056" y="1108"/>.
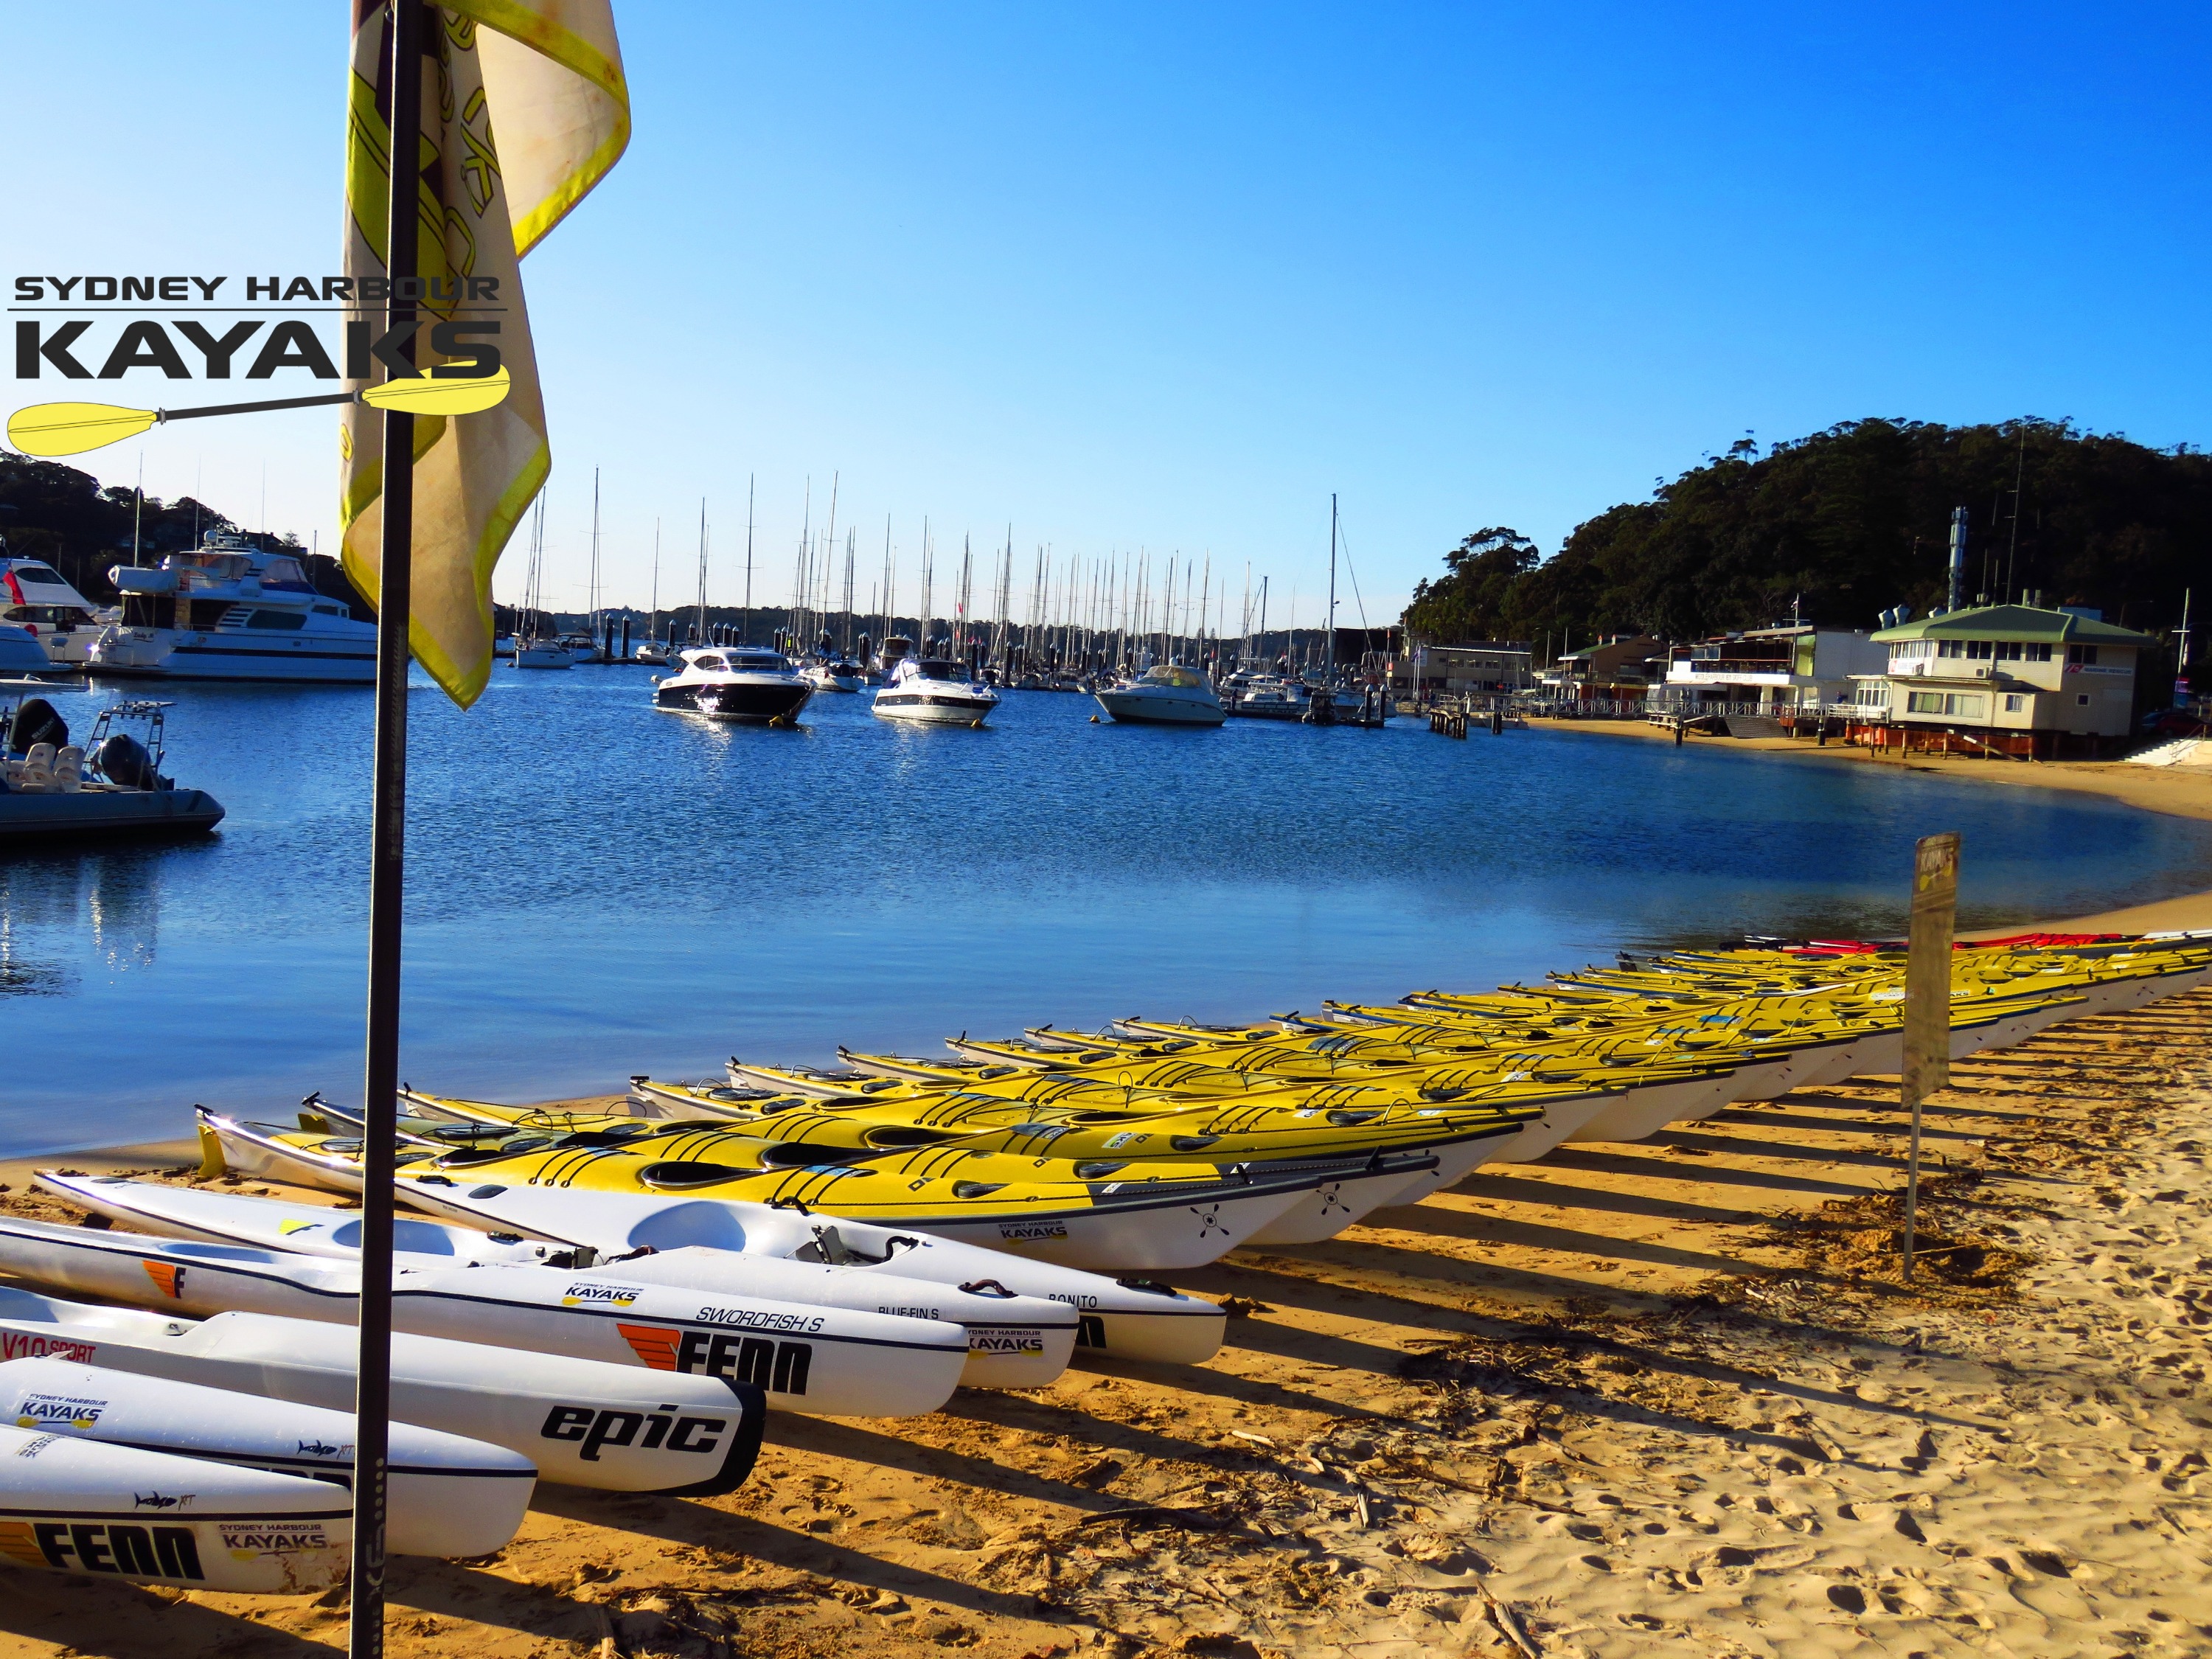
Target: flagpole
<point x="387" y="851"/>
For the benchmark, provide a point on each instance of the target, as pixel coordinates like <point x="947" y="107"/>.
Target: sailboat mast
<point x="747" y="614"/>
<point x="1332" y="587"/>
<point x="595" y="554"/>
<point x="702" y="570"/>
<point x="653" y="624"/>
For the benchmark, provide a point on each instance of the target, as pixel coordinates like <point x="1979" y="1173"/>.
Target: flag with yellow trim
<point x="525" y="109"/>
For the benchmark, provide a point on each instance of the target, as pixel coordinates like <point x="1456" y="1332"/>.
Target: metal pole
<point x="387" y="852"/>
<point x="1927" y="1000"/>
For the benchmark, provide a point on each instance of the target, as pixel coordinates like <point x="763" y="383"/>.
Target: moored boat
<point x="230" y="610"/>
<point x="934" y="691"/>
<point x="1165" y="694"/>
<point x="745" y="685"/>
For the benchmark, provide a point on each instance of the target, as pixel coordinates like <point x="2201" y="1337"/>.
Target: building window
<point x="2038" y="654"/>
<point x="1950" y="648"/>
<point x="2014" y="702"/>
<point x="1965" y="705"/>
<point x="2083" y="698"/>
<point x="1981" y="650"/>
<point x="2009" y="650"/>
<point x="2082" y="654"/>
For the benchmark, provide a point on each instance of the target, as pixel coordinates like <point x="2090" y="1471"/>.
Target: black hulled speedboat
<point x="735" y="683"/>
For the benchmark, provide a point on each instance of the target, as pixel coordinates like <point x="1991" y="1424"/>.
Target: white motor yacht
<point x="40" y="600"/>
<point x="229" y="611"/>
<point x="651" y="651"/>
<point x="21" y="652"/>
<point x="936" y="690"/>
<point x="1271" y="700"/>
<point x="745" y="684"/>
<point x="1166" y="695"/>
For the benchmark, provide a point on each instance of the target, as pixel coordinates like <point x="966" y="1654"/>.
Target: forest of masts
<point x="1125" y="610"/>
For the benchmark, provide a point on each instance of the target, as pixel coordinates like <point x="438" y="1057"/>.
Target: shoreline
<point x="1661" y="1393"/>
<point x="2178" y="792"/>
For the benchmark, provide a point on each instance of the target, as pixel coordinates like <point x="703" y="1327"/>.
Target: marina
<point x="946" y="874"/>
<point x="1199" y="987"/>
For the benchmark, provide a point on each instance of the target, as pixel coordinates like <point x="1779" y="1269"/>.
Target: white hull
<point x="947" y="712"/>
<point x="821" y="1360"/>
<point x="1013" y="1342"/>
<point x="465" y="1388"/>
<point x="1644" y="1110"/>
<point x="1148" y="705"/>
<point x="68" y="1506"/>
<point x="304" y="657"/>
<point x="1336" y="1205"/>
<point x="448" y="1496"/>
<point x="543" y="656"/>
<point x="1127" y="1319"/>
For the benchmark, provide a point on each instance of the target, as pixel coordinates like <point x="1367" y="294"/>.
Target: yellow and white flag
<point x="523" y="109"/>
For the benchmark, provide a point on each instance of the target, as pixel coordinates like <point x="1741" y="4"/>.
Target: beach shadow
<point x="1525" y="1189"/>
<point x="103" y="1620"/>
<point x="697" y="1526"/>
<point x="1589" y="1161"/>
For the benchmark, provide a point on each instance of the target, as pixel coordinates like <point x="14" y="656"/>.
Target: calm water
<point x="597" y="889"/>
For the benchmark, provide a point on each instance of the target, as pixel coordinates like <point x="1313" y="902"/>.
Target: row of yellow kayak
<point x="1160" y="1143"/>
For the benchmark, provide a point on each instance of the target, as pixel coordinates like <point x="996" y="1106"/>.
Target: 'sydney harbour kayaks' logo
<point x="191" y="328"/>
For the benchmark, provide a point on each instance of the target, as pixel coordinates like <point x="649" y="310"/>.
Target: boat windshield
<point x="941" y="668"/>
<point x="1183" y="679"/>
<point x="759" y="662"/>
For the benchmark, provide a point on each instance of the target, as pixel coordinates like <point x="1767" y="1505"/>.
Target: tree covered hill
<point x="1846" y="523"/>
<point x="68" y="519"/>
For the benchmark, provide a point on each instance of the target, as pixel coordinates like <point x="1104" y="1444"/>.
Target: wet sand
<point x="1672" y="1389"/>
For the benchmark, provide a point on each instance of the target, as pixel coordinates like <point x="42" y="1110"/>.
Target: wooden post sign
<point x="1926" y="998"/>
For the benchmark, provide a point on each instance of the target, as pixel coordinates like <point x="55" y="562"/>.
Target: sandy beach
<point x="1670" y="1389"/>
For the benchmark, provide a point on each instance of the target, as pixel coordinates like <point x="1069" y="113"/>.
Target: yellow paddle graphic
<point x="50" y="430"/>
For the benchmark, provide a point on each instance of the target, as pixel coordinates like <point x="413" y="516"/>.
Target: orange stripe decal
<point x="167" y="1277"/>
<point x="654" y="1344"/>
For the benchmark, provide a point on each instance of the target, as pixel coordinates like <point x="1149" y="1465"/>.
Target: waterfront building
<point x="1781" y="672"/>
<point x="1450" y="669"/>
<point x="2005" y="679"/>
<point x="1619" y="668"/>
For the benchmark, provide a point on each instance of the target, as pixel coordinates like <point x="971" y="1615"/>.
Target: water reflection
<point x="595" y="887"/>
<point x="61" y="912"/>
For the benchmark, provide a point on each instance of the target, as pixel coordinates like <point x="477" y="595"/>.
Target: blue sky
<point x="1165" y="276"/>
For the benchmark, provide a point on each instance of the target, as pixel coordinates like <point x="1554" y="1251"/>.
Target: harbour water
<point x="596" y="889"/>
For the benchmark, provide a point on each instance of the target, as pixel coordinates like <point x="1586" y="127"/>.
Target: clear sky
<point x="1166" y="276"/>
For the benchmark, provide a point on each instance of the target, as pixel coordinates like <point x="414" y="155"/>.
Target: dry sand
<point x="1670" y="1392"/>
